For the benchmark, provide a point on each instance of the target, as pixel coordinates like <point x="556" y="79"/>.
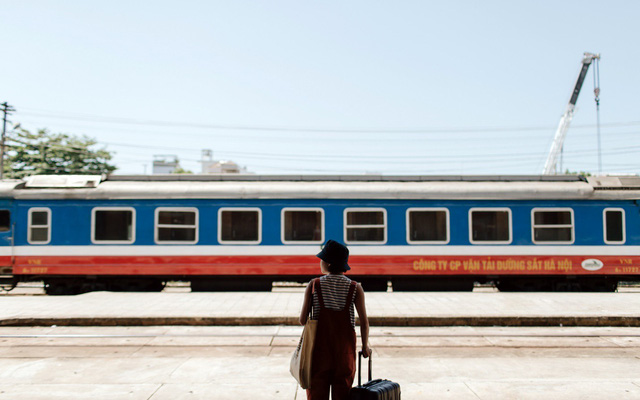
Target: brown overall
<point x="334" y="351"/>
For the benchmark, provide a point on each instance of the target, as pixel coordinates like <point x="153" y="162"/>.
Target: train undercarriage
<point x="65" y="285"/>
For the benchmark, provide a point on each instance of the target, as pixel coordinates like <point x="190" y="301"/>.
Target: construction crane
<point x="565" y="121"/>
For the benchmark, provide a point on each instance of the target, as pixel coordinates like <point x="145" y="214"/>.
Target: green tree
<point x="583" y="173"/>
<point x="53" y="153"/>
<point x="181" y="170"/>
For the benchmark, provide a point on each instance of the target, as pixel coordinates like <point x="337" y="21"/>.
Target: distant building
<point x="211" y="166"/>
<point x="225" y="167"/>
<point x="207" y="160"/>
<point x="165" y="163"/>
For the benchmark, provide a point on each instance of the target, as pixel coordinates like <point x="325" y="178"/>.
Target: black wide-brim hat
<point x="335" y="254"/>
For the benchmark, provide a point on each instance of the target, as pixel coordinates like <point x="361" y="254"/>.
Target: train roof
<point x="481" y="187"/>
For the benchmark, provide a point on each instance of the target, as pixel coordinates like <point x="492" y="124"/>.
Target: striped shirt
<point x="335" y="289"/>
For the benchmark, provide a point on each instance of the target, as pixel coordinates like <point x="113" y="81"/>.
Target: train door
<point x="6" y="240"/>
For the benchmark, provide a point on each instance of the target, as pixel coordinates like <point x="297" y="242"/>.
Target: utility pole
<point x="6" y="110"/>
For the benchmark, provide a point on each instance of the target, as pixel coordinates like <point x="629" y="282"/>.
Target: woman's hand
<point x="364" y="321"/>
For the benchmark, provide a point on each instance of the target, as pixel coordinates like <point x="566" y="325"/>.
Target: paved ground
<point x="246" y="362"/>
<point x="179" y="307"/>
<point x="187" y="362"/>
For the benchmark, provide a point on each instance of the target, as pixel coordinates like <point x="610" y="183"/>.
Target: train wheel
<point x="432" y="285"/>
<point x="524" y="285"/>
<point x="373" y="284"/>
<point x="601" y="285"/>
<point x="567" y="285"/>
<point x="556" y="285"/>
<point x="64" y="287"/>
<point x="231" y="285"/>
<point x="135" y="285"/>
<point x="586" y="285"/>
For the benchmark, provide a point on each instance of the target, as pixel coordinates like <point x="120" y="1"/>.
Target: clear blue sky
<point x="396" y="87"/>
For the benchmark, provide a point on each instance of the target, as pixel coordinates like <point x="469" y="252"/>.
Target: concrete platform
<point x="282" y="308"/>
<point x="240" y="362"/>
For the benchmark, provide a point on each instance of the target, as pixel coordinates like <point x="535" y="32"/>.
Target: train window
<point x="365" y="225"/>
<point x="113" y="225"/>
<point x="176" y="225"/>
<point x="428" y="225"/>
<point x="39" y="226"/>
<point x="302" y="225"/>
<point x="614" y="229"/>
<point x="490" y="225"/>
<point x="239" y="225"/>
<point x="552" y="225"/>
<point x="5" y="220"/>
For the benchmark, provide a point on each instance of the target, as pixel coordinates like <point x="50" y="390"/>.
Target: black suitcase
<point x="377" y="389"/>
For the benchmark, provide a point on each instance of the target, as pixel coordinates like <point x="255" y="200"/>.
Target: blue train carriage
<point x="7" y="226"/>
<point x="524" y="233"/>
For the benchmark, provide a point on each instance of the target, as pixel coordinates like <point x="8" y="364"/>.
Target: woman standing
<point x="331" y="300"/>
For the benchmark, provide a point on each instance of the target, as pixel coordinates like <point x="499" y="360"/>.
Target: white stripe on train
<point x="293" y="250"/>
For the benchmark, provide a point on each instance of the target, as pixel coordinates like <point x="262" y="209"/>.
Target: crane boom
<point x="565" y="121"/>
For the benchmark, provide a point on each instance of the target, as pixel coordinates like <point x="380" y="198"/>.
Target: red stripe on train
<point x="308" y="265"/>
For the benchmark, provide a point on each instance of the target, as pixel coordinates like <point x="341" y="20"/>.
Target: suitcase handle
<point x="360" y="368"/>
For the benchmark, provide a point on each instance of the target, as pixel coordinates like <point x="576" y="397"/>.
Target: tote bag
<point x="300" y="366"/>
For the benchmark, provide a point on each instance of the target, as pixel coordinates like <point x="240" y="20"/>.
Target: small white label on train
<point x="592" y="264"/>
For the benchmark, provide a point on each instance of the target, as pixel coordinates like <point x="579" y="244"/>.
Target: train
<point x="80" y="233"/>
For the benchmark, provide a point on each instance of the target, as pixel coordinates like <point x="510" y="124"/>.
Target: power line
<point x="183" y="124"/>
<point x="483" y="138"/>
<point x="519" y="161"/>
<point x="435" y="166"/>
<point x="420" y="158"/>
<point x="486" y="158"/>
